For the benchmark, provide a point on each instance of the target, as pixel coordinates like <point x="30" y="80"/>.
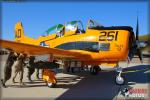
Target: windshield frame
<point x="95" y="24"/>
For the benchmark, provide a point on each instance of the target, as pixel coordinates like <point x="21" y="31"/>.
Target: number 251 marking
<point x="109" y="36"/>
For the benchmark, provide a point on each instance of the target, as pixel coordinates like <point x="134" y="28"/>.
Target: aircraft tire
<point x="94" y="70"/>
<point x="119" y="80"/>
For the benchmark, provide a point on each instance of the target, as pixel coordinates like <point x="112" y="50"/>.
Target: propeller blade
<point x="137" y="30"/>
<point x="139" y="53"/>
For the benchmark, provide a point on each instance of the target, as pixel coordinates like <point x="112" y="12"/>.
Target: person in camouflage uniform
<point x="31" y="68"/>
<point x="8" y="67"/>
<point x="19" y="67"/>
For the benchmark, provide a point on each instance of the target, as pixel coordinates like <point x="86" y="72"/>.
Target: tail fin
<point x="19" y="31"/>
<point x="20" y="36"/>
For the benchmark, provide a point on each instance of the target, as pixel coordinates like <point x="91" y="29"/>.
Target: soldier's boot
<point x="21" y="83"/>
<point x="3" y="83"/>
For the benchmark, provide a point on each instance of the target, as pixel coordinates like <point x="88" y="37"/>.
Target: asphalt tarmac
<point x="83" y="85"/>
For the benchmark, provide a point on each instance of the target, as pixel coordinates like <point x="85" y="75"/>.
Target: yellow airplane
<point x="97" y="46"/>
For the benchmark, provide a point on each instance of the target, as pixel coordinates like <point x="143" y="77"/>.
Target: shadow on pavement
<point x="102" y="86"/>
<point x="26" y="86"/>
<point x="34" y="83"/>
<point x="137" y="74"/>
<point x="93" y="87"/>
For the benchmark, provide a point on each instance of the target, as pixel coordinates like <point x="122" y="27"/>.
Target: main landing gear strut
<point x="119" y="79"/>
<point x="94" y="70"/>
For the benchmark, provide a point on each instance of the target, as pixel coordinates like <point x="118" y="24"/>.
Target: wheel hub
<point x="119" y="80"/>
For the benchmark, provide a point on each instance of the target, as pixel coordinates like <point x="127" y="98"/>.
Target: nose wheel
<point x="119" y="80"/>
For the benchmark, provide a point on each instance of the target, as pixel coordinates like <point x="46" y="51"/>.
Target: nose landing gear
<point x="119" y="79"/>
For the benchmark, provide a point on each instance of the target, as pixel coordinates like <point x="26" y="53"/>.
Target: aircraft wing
<point x="37" y="50"/>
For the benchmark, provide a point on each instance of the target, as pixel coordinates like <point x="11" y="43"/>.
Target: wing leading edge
<point x="37" y="50"/>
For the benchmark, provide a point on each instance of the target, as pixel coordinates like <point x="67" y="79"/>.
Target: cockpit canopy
<point x="93" y="23"/>
<point x="71" y="26"/>
<point x="54" y="29"/>
<point x="74" y="26"/>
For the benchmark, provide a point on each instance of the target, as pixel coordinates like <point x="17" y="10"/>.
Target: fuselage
<point x="109" y="44"/>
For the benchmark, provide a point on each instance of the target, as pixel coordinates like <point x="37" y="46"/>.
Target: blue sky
<point x="37" y="17"/>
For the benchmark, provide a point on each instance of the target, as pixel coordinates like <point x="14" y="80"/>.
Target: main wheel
<point x="119" y="80"/>
<point x="94" y="70"/>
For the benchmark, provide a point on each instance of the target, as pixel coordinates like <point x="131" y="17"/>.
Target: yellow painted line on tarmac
<point x="132" y="71"/>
